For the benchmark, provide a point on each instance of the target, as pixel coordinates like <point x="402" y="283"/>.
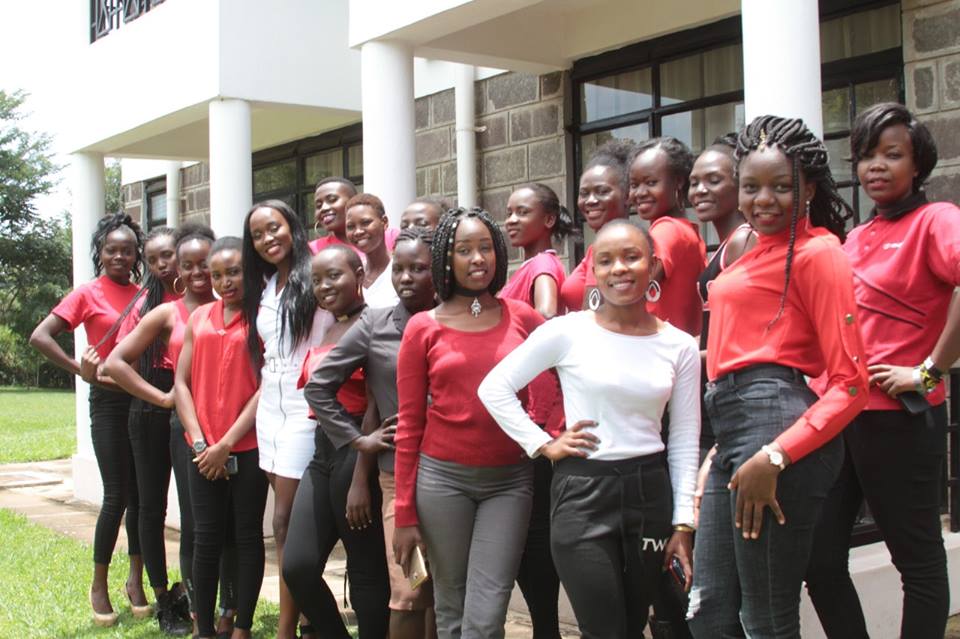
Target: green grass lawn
<point x="44" y="578"/>
<point x="36" y="425"/>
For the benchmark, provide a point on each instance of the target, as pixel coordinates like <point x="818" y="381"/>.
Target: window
<point x="291" y="172"/>
<point x="155" y="203"/>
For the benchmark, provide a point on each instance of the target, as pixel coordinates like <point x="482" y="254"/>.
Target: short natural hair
<point x="366" y="199"/>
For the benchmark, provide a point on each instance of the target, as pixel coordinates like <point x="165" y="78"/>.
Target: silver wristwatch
<point x="199" y="446"/>
<point x="775" y="456"/>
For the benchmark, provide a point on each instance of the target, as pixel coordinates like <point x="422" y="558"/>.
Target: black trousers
<point x="239" y="501"/>
<point x="538" y="578"/>
<point x="317" y="522"/>
<point x="610" y="523"/>
<point x="895" y="462"/>
<point x="111" y="447"/>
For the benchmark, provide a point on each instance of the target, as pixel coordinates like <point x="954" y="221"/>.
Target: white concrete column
<point x="231" y="166"/>
<point x="389" y="153"/>
<point x="87" y="186"/>
<point x="173" y="194"/>
<point x="466" y="124"/>
<point x="781" y="60"/>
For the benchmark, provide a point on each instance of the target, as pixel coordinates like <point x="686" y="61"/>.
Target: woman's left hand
<point x="892" y="380"/>
<point x="212" y="461"/>
<point x="681" y="547"/>
<point x="89" y="365"/>
<point x="756" y="485"/>
<point x="359" y="504"/>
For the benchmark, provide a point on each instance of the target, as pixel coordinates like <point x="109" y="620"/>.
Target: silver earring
<point x="653" y="292"/>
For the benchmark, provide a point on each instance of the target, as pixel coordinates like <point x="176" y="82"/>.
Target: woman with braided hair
<point x="784" y="310"/>
<point x="461" y="482"/>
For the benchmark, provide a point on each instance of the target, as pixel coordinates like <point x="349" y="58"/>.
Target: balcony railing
<point x="107" y="15"/>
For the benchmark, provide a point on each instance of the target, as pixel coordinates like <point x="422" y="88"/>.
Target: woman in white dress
<point x="281" y="305"/>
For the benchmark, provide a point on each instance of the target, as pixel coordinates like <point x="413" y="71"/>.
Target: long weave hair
<point x="441" y="251"/>
<point x="806" y="153"/>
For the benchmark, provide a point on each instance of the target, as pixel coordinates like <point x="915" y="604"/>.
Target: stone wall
<point x="931" y="54"/>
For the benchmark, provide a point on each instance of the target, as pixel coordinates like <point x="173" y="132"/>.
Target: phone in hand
<point x="231" y="465"/>
<point x="677" y="573"/>
<point x="418" y="569"/>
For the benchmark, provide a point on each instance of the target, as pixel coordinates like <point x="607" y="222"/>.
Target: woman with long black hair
<point x="100" y="306"/>
<point x="281" y="310"/>
<point x="783" y="311"/>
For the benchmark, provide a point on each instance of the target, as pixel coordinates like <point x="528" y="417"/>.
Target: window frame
<point x="152" y="188"/>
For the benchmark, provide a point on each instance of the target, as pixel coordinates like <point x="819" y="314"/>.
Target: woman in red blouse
<point x="602" y="197"/>
<point x="462" y="483"/>
<point x="216" y="392"/>
<point x="783" y="311"/>
<point x="906" y="266"/>
<point x="100" y="306"/>
<point x="659" y="178"/>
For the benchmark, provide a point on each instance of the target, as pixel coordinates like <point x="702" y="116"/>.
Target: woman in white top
<point x="366" y="229"/>
<point x="279" y="302"/>
<point x="616" y="523"/>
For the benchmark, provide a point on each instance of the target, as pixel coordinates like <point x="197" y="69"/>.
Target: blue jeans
<point x="751" y="588"/>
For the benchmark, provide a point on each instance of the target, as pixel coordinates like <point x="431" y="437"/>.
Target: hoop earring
<point x="316" y="230"/>
<point x="181" y="283"/>
<point x="654" y="296"/>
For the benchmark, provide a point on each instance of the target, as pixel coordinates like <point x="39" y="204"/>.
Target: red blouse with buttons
<point x="904" y="274"/>
<point x="817" y="333"/>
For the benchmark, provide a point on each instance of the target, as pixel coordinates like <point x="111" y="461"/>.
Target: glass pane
<point x="634" y="133"/>
<point x="355" y="161"/>
<point x="616" y="95"/>
<point x="870" y="93"/>
<point x="860" y="33"/>
<point x="865" y="204"/>
<point x="723" y="70"/>
<point x="275" y="177"/>
<point x="836" y="110"/>
<point x="720" y="120"/>
<point x="686" y="127"/>
<point x="158" y="209"/>
<point x="847" y="194"/>
<point x="838" y="151"/>
<point x="323" y="165"/>
<point x="681" y="80"/>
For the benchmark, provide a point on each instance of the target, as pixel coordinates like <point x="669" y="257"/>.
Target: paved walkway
<point x="43" y="493"/>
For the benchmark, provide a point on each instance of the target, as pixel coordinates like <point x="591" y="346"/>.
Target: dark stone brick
<point x="944" y="131"/>
<point x="937" y="32"/>
<point x="511" y="89"/>
<point x="495" y="202"/>
<point x="923" y="87"/>
<point x="134" y="212"/>
<point x="192" y="176"/>
<point x="551" y="84"/>
<point x="505" y="166"/>
<point x="421" y="110"/>
<point x="434" y="185"/>
<point x="545" y="158"/>
<point x="444" y="107"/>
<point x="191" y="201"/>
<point x="450" y="178"/>
<point x="433" y="146"/>
<point x="479" y="97"/>
<point x="951" y="81"/>
<point x="204" y="172"/>
<point x="495" y="134"/>
<point x="944" y="187"/>
<point x="421" y="182"/>
<point x="203" y="198"/>
<point x="559" y="187"/>
<point x="534" y="122"/>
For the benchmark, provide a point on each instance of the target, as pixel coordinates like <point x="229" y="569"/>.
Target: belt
<point x="757" y="372"/>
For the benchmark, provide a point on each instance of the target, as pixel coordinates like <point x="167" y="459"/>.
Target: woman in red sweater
<point x="216" y="392"/>
<point x="462" y="483"/>
<point x="783" y="311"/>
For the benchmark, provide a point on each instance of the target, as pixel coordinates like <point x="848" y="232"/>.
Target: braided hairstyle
<point x="442" y="250"/>
<point x="547" y="197"/>
<point x="807" y="153"/>
<point x="679" y="159"/>
<point x="107" y="225"/>
<point x="415" y="234"/>
<point x="153" y="298"/>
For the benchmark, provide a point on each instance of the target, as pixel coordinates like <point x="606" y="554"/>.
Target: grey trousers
<point x="474" y="522"/>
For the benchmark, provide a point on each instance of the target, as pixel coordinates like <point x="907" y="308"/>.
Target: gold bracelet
<point x="684" y="528"/>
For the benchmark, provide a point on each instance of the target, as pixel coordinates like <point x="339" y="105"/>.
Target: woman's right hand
<point x="702" y="475"/>
<point x="380" y="439"/>
<point x="405" y="539"/>
<point x="89" y="364"/>
<point x="167" y="401"/>
<point x="573" y="442"/>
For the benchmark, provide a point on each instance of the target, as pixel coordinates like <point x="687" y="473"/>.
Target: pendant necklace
<point x="475" y="306"/>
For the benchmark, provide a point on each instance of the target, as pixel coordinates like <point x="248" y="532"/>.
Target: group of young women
<point x="401" y="394"/>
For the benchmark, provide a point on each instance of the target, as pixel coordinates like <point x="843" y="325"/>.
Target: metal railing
<point x="107" y="15"/>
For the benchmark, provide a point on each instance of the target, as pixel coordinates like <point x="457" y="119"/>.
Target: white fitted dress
<point x="285" y="432"/>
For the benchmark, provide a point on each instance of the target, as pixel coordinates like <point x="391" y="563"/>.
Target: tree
<point x="26" y="167"/>
<point x="113" y="190"/>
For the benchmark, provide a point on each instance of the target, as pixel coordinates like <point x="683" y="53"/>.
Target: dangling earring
<point x="808" y="208"/>
<point x="653" y="292"/>
<point x="181" y="283"/>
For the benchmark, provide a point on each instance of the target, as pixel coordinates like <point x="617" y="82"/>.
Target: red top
<point x="389" y="238"/>
<point x="352" y="395"/>
<point x="683" y="254"/>
<point x="222" y="380"/>
<point x="438" y="371"/>
<point x="97" y="305"/>
<point x="133" y="318"/>
<point x="817" y="332"/>
<point x="904" y="273"/>
<point x="175" y="343"/>
<point x="546" y="402"/>
<point x="575" y="286"/>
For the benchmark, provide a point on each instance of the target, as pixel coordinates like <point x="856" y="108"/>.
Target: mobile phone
<point x="418" y="569"/>
<point x="676" y="571"/>
<point x="913" y="402"/>
<point x="231" y="465"/>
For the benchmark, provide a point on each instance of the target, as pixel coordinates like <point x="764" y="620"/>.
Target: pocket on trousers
<point x="764" y="390"/>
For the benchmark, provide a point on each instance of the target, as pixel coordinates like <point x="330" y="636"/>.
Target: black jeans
<point x="149" y="430"/>
<point x="610" y="523"/>
<point x="895" y="462"/>
<point x="111" y="446"/>
<point x="538" y="578"/>
<point x="317" y="522"/>
<point x="216" y="504"/>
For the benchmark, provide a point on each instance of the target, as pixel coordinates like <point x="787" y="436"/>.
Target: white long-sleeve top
<point x="622" y="382"/>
